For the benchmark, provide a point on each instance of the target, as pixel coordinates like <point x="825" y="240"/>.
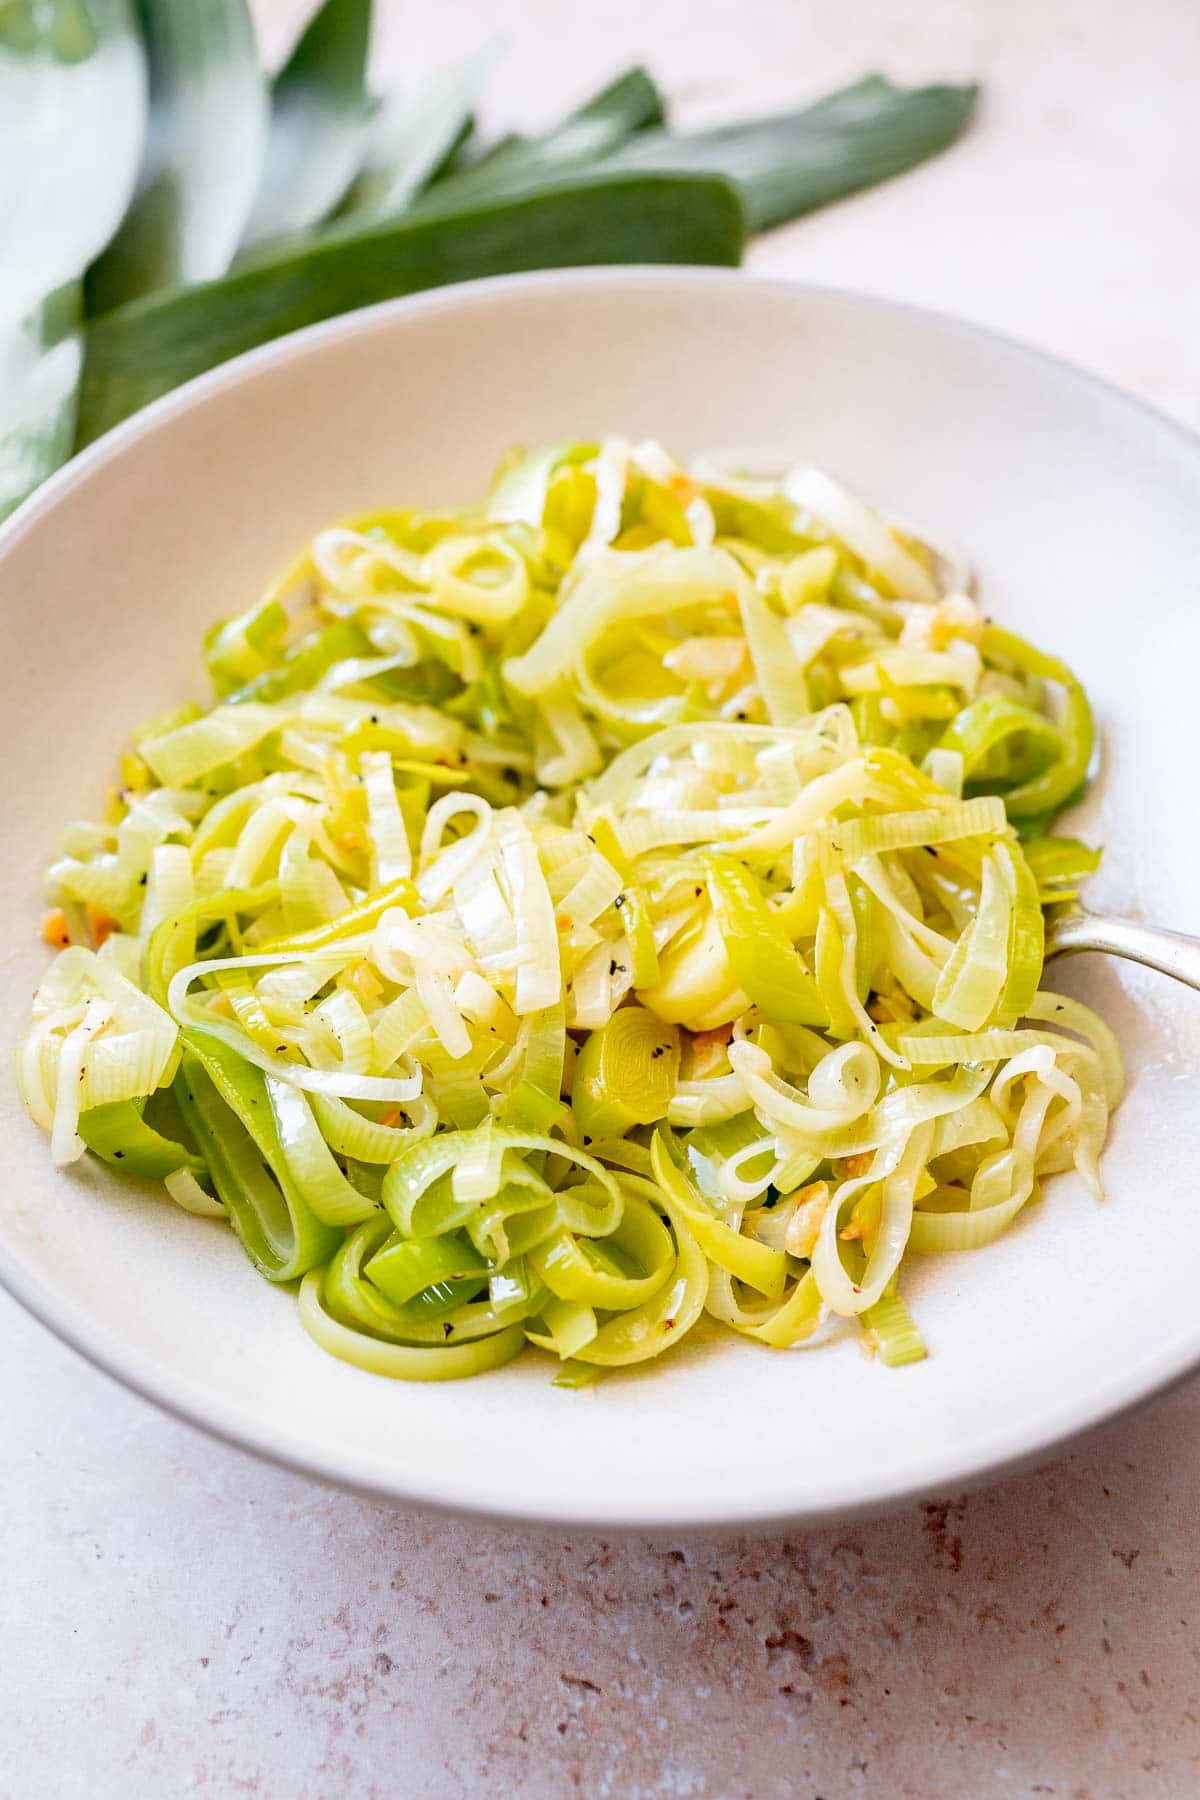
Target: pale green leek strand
<point x="582" y="911"/>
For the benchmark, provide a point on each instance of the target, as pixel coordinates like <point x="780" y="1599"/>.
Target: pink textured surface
<point x="193" y="1621"/>
<point x="183" y="1619"/>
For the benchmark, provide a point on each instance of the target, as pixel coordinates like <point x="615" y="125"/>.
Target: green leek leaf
<point x="587" y="136"/>
<point x="793" y="163"/>
<point x="146" y="349"/>
<point x="320" y="123"/>
<point x="72" y="116"/>
<point x="208" y="133"/>
<point x="41" y="357"/>
<point x="476" y="154"/>
<point x="411" y="142"/>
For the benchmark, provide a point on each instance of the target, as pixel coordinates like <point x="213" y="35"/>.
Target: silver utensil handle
<point x="1170" y="952"/>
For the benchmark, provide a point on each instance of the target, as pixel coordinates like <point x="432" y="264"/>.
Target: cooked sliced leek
<point x="584" y="910"/>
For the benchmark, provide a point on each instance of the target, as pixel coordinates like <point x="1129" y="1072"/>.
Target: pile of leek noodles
<point x="618" y="902"/>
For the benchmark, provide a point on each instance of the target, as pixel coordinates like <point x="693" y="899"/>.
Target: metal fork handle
<point x="1170" y="952"/>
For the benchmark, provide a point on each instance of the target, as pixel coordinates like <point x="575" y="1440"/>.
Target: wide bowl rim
<point x="1003" y="1453"/>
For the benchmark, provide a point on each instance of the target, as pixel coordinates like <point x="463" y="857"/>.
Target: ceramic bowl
<point x="1080" y="512"/>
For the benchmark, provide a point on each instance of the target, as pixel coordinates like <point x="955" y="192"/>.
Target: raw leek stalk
<point x="141" y="350"/>
<point x="202" y="159"/>
<point x="784" y="165"/>
<point x="236" y="167"/>
<point x="594" y="131"/>
<point x="319" y="125"/>
<point x="586" y="910"/>
<point x="789" y="164"/>
<point x="413" y="138"/>
<point x="72" y="118"/>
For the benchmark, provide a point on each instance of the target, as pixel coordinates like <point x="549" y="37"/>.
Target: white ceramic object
<point x="1080" y="511"/>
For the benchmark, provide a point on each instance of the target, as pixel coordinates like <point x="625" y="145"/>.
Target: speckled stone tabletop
<point x="180" y="1618"/>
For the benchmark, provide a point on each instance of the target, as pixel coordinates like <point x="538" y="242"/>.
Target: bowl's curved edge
<point x="950" y="1477"/>
<point x="471" y="294"/>
<point x="1004" y="1455"/>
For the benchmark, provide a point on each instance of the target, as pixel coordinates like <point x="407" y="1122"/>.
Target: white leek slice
<point x="861" y="530"/>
